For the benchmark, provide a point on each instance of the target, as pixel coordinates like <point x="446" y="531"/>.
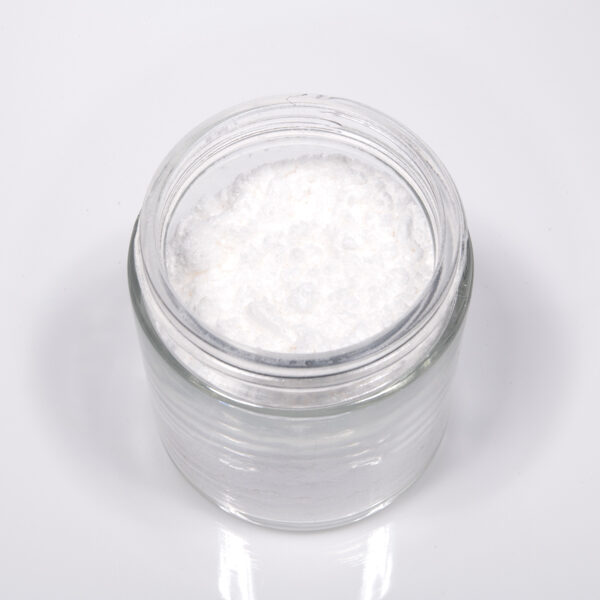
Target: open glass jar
<point x="300" y="441"/>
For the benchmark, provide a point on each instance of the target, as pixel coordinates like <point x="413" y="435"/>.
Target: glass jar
<point x="300" y="441"/>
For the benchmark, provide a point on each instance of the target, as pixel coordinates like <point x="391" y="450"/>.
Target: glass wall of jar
<point x="300" y="441"/>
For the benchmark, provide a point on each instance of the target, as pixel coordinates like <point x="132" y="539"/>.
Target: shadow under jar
<point x="287" y="440"/>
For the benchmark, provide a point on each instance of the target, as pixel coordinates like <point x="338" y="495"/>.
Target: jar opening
<point x="290" y="126"/>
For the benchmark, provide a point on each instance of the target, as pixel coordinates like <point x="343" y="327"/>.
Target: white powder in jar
<point x="302" y="256"/>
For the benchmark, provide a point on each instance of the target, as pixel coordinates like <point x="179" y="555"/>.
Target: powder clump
<point x="301" y="256"/>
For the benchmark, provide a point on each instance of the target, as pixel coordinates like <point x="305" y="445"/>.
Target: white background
<point x="94" y="95"/>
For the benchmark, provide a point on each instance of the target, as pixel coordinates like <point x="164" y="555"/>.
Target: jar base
<point x="308" y="525"/>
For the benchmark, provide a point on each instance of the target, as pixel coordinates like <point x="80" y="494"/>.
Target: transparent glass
<point x="300" y="441"/>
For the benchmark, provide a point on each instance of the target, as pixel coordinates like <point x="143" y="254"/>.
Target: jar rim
<point x="179" y="168"/>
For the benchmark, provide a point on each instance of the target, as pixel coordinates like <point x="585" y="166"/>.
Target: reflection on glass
<point x="235" y="568"/>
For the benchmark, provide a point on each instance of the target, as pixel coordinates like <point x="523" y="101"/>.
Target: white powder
<point x="302" y="256"/>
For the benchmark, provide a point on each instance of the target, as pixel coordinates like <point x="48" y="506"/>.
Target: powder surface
<point x="301" y="256"/>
